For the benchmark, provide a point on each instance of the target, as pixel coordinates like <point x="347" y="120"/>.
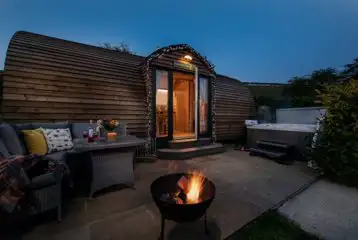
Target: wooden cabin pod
<point x="49" y="79"/>
<point x="234" y="104"/>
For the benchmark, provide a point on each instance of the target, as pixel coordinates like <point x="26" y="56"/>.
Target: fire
<point x="195" y="187"/>
<point x="192" y="187"/>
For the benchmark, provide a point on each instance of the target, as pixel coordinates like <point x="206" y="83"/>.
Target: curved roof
<point x="24" y="42"/>
<point x="31" y="41"/>
<point x="179" y="47"/>
<point x="34" y="41"/>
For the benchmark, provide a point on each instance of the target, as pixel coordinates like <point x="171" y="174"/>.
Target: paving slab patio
<point x="326" y="209"/>
<point x="246" y="187"/>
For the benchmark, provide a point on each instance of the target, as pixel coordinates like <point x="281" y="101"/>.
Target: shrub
<point x="336" y="150"/>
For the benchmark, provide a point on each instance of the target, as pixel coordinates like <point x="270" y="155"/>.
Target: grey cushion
<point x="18" y="129"/>
<point x="11" y="140"/>
<point x="4" y="153"/>
<point x="43" y="180"/>
<point x="23" y="126"/>
<point x="52" y="125"/>
<point x="56" y="156"/>
<point x="79" y="128"/>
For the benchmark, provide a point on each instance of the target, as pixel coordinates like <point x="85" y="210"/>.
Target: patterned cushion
<point x="58" y="139"/>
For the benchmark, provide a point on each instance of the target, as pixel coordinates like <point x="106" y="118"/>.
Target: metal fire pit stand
<point x="162" y="227"/>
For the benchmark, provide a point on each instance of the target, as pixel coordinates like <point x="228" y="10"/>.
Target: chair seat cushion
<point x="35" y="142"/>
<point x="43" y="180"/>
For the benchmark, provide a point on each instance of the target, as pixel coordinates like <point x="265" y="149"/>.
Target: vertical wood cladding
<point x="48" y="79"/>
<point x="234" y="104"/>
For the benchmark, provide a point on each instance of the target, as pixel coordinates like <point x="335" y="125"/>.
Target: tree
<point x="336" y="148"/>
<point x="350" y="70"/>
<point x="302" y="90"/>
<point x="324" y="76"/>
<point x="121" y="47"/>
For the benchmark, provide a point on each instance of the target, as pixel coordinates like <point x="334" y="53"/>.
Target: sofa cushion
<point x="52" y="125"/>
<point x="19" y="131"/>
<point x="56" y="156"/>
<point x="22" y="126"/>
<point x="58" y="139"/>
<point x="35" y="142"/>
<point x="4" y="153"/>
<point x="79" y="128"/>
<point x="11" y="140"/>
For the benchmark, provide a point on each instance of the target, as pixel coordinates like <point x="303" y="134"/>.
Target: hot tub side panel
<point x="299" y="140"/>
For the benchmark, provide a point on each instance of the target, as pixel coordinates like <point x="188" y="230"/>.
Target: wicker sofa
<point x="47" y="187"/>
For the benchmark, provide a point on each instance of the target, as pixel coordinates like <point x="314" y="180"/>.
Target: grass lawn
<point x="271" y="226"/>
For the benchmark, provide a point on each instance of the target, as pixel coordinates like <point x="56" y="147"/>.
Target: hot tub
<point x="298" y="135"/>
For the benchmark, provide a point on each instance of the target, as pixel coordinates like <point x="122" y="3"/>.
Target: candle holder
<point x="111" y="136"/>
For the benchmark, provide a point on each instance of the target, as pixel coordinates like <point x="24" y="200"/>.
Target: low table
<point x="112" y="161"/>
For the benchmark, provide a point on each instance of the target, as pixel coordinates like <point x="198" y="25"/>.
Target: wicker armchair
<point x="46" y="190"/>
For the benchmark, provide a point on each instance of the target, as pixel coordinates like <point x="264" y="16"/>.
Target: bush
<point x="336" y="150"/>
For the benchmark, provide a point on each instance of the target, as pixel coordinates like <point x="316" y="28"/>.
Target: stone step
<point x="185" y="153"/>
<point x="188" y="143"/>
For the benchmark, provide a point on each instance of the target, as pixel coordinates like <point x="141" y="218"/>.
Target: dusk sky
<point x="252" y="40"/>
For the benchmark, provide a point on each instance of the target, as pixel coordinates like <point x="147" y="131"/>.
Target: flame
<point x="195" y="187"/>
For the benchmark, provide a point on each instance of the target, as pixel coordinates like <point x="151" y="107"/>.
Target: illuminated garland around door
<point x="148" y="82"/>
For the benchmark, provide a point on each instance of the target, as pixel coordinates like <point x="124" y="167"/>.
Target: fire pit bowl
<point x="180" y="213"/>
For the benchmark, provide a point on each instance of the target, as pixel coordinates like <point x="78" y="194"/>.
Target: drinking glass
<point x="85" y="134"/>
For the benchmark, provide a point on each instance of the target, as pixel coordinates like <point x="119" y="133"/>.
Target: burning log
<point x="183" y="183"/>
<point x="186" y="192"/>
<point x="179" y="196"/>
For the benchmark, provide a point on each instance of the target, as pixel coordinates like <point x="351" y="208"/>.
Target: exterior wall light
<point x="188" y="58"/>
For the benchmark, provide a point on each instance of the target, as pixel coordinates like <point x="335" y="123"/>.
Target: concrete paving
<point x="246" y="187"/>
<point x="327" y="210"/>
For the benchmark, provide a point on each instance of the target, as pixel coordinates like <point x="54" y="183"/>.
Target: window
<point x="161" y="108"/>
<point x="204" y="104"/>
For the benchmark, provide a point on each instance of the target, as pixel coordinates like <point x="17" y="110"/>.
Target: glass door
<point x="203" y="105"/>
<point x="184" y="110"/>
<point x="161" y="104"/>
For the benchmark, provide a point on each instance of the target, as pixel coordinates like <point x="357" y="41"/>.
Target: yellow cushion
<point x="35" y="141"/>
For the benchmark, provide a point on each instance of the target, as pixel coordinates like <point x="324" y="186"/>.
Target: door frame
<point x="163" y="142"/>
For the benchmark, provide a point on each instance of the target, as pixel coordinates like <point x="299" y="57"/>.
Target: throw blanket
<point x="13" y="180"/>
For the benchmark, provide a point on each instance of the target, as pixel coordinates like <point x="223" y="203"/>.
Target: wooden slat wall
<point x="1" y="88"/>
<point x="167" y="61"/>
<point x="48" y="79"/>
<point x="234" y="104"/>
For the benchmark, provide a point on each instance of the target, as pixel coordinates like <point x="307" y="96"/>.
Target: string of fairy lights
<point x="149" y="86"/>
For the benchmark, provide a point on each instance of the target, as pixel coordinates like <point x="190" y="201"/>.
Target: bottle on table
<point x="90" y="132"/>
